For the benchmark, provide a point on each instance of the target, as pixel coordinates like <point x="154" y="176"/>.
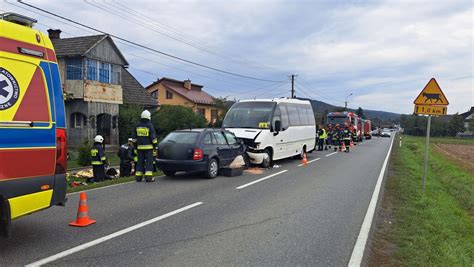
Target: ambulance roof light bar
<point x="18" y="19"/>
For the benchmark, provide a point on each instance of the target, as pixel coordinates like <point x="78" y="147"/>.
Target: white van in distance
<point x="273" y="129"/>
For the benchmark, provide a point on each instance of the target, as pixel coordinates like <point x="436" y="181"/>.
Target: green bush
<point x="84" y="153"/>
<point x="170" y="118"/>
<point x="129" y="116"/>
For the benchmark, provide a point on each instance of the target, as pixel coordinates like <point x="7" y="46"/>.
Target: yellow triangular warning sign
<point x="431" y="95"/>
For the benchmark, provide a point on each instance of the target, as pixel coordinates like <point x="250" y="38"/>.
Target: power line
<point x="236" y="81"/>
<point x="148" y="48"/>
<point x="181" y="35"/>
<point x="189" y="37"/>
<point x="318" y="94"/>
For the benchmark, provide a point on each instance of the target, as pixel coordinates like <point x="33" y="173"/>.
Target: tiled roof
<point x="195" y="95"/>
<point x="134" y="93"/>
<point x="466" y="114"/>
<point x="80" y="46"/>
<point x="76" y="46"/>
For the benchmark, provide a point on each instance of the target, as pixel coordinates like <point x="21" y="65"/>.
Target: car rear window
<point x="181" y="137"/>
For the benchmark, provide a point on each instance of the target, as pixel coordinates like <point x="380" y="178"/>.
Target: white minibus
<point x="273" y="129"/>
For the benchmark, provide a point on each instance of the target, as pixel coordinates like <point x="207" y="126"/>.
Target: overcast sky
<point x="383" y="52"/>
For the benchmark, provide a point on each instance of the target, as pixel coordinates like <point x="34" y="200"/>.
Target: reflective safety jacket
<point x="346" y="135"/>
<point x="145" y="136"/>
<point x="98" y="155"/>
<point x="135" y="155"/>
<point x="335" y="134"/>
<point x="322" y="134"/>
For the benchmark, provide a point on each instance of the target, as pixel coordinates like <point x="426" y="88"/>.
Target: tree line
<point x="440" y="126"/>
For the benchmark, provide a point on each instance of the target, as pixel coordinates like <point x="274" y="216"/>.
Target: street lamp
<point x="345" y="107"/>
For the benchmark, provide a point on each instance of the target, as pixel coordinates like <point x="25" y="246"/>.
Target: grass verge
<point x="120" y="180"/>
<point x="434" y="228"/>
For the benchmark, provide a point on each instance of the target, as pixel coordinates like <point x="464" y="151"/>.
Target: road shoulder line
<point x="261" y="179"/>
<point x="359" y="247"/>
<point x="110" y="236"/>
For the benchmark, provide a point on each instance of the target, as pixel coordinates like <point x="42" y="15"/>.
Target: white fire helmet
<point x="99" y="139"/>
<point x="146" y="115"/>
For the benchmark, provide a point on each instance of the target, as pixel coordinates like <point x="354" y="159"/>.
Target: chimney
<point x="187" y="84"/>
<point x="54" y="34"/>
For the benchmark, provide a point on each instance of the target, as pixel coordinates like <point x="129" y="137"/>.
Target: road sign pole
<point x="425" y="164"/>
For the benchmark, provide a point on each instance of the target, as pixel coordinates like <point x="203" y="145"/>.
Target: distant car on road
<point x="385" y="134"/>
<point x="198" y="150"/>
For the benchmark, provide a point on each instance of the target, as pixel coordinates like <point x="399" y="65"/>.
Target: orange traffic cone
<point x="352" y="144"/>
<point x="82" y="213"/>
<point x="304" y="161"/>
<point x="343" y="146"/>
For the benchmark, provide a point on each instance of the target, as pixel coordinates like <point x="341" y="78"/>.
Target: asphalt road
<point x="304" y="215"/>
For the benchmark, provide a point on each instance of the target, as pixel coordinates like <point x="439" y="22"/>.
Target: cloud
<point x="375" y="49"/>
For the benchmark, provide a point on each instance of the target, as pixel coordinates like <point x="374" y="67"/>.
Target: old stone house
<point x="95" y="83"/>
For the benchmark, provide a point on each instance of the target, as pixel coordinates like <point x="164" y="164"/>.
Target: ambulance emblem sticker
<point x="9" y="89"/>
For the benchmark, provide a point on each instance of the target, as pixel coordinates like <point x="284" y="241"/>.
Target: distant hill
<point x="320" y="108"/>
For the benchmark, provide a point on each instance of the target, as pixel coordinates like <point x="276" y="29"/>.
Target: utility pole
<point x="345" y="106"/>
<point x="293" y="85"/>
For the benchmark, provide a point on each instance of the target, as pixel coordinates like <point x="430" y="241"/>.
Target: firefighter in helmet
<point x="144" y="137"/>
<point x="336" y="138"/>
<point x="346" y="136"/>
<point x="98" y="159"/>
<point x="329" y="136"/>
<point x="125" y="154"/>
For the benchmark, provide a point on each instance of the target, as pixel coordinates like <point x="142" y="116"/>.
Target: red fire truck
<point x="367" y="129"/>
<point x="346" y="118"/>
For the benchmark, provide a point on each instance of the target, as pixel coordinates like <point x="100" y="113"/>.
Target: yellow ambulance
<point x="33" y="151"/>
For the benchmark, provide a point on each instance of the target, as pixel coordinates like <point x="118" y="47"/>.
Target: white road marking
<point x="261" y="179"/>
<point x="103" y="187"/>
<point x="330" y="154"/>
<point x="359" y="247"/>
<point x="108" y="237"/>
<point x="313" y="160"/>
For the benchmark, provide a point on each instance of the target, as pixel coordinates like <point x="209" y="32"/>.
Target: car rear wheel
<point x="212" y="169"/>
<point x="169" y="173"/>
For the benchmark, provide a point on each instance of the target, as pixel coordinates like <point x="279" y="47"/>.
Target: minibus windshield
<point x="249" y="115"/>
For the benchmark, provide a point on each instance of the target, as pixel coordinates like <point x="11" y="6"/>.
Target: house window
<point x="115" y="73"/>
<point x="104" y="72"/>
<point x="74" y="69"/>
<point x="214" y="114"/>
<point x="91" y="69"/>
<point x="169" y="95"/>
<point x="154" y="94"/>
<point x="201" y="111"/>
<point x="78" y="120"/>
